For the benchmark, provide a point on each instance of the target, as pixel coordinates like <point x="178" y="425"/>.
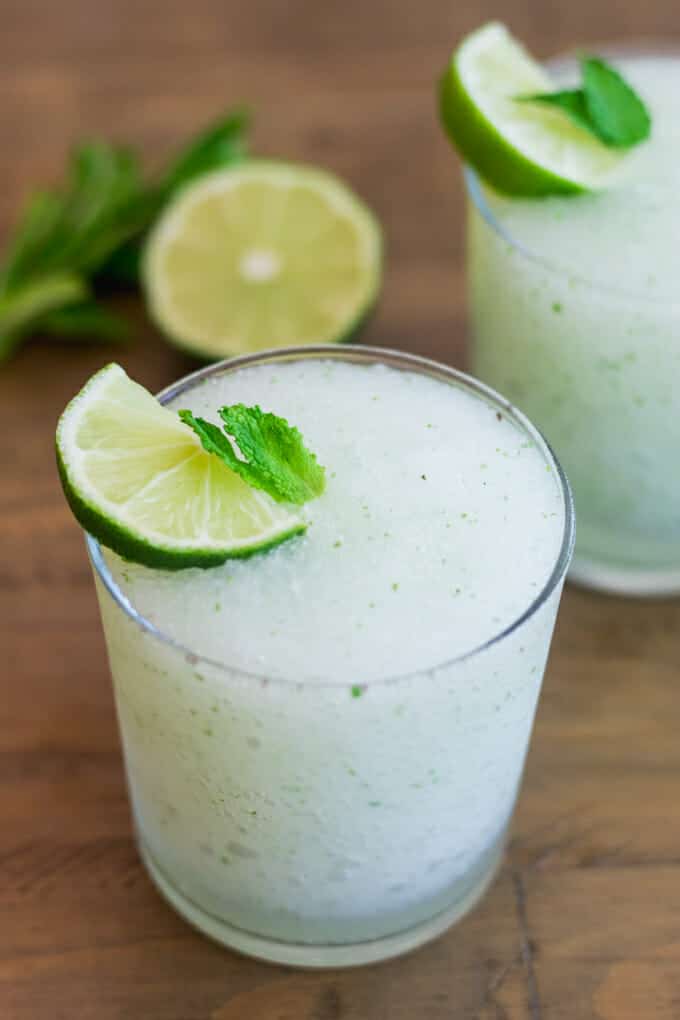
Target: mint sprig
<point x="605" y="105"/>
<point x="221" y="144"/>
<point x="89" y="232"/>
<point x="273" y="456"/>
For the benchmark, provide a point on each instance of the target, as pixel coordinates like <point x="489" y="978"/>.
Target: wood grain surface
<point x="584" y="921"/>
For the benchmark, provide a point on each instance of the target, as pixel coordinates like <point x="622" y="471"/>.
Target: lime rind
<point x="108" y="523"/>
<point x="519" y="148"/>
<point x="312" y="302"/>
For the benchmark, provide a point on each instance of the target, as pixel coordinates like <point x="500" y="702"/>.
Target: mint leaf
<point x="617" y="113"/>
<point x="220" y="145"/>
<point x="36" y="229"/>
<point x="213" y="439"/>
<point x="75" y="229"/>
<point x="569" y="101"/>
<point x="275" y="452"/>
<point x="104" y="204"/>
<point x="606" y="105"/>
<point x="84" y="321"/>
<point x="273" y="456"/>
<point x="62" y="238"/>
<point x="22" y="308"/>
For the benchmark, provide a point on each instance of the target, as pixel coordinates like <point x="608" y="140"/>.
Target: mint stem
<point x="22" y="307"/>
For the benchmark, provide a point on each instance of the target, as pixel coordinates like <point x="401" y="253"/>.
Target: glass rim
<point x="357" y="354"/>
<point x="475" y="190"/>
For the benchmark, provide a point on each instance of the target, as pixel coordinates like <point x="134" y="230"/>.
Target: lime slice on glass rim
<point x="266" y="254"/>
<point x="139" y="481"/>
<point x="519" y="148"/>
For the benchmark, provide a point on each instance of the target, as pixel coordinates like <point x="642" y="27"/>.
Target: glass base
<point x="623" y="580"/>
<point x="296" y="954"/>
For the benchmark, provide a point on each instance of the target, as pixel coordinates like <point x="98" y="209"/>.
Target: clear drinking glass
<point x="596" y="368"/>
<point x="313" y="875"/>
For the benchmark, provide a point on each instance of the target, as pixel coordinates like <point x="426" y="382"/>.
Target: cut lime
<point x="262" y="255"/>
<point x="520" y="148"/>
<point x="139" y="481"/>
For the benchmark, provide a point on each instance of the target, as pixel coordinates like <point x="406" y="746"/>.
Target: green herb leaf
<point x="22" y="308"/>
<point x="85" y="321"/>
<point x="271" y="453"/>
<point x="220" y="145"/>
<point x="213" y="439"/>
<point x="36" y="227"/>
<point x="105" y="203"/>
<point x="618" y="114"/>
<point x="275" y="452"/>
<point x="606" y="105"/>
<point x="569" y="101"/>
<point x="77" y="229"/>
<point x="63" y="237"/>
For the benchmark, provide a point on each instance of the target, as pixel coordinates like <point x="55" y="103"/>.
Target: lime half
<point x="262" y="255"/>
<point x="139" y="480"/>
<point x="519" y="148"/>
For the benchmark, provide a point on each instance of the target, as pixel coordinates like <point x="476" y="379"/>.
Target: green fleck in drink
<point x="576" y="317"/>
<point x="324" y="742"/>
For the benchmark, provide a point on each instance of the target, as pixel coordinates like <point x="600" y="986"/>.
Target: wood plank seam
<point x="526" y="946"/>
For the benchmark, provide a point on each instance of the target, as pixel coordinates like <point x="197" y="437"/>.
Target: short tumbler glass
<point x="596" y="368"/>
<point x="469" y="720"/>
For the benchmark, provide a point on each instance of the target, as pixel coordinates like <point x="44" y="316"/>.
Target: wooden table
<point x="584" y="921"/>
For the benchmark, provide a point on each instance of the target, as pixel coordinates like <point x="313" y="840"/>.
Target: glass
<point x="596" y="369"/>
<point x="467" y="721"/>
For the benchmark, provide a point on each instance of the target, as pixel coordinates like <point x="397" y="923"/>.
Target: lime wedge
<point x="139" y="481"/>
<point x="262" y="255"/>
<point x="519" y="148"/>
